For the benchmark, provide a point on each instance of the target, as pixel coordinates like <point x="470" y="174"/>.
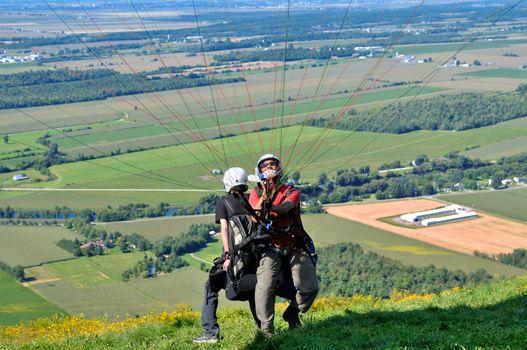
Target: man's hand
<point x="226" y="263"/>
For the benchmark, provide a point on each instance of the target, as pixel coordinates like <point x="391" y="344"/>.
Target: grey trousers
<point x="304" y="276"/>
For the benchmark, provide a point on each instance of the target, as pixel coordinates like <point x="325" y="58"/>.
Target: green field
<point x="508" y="73"/>
<point x="21" y="67"/>
<point x="156" y="229"/>
<point x="129" y="136"/>
<point x="192" y="163"/>
<point x="127" y="298"/>
<point x="183" y="166"/>
<point x="436" y="48"/>
<point x="32" y="245"/>
<point x="500" y="149"/>
<point x="508" y="203"/>
<point x="19" y="303"/>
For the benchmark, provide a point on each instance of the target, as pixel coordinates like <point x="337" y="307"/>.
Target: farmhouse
<point x="19" y="177"/>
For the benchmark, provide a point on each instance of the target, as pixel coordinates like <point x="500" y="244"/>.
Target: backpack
<point x="240" y="278"/>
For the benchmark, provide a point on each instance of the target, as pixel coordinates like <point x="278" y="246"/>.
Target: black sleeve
<point x="221" y="211"/>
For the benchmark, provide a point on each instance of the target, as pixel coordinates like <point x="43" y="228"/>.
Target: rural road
<point x="200" y="259"/>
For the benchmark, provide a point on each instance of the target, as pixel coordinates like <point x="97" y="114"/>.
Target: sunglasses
<point x="268" y="164"/>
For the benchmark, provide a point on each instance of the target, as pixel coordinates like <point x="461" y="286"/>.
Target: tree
<point x="18" y="273"/>
<point x="6" y="138"/>
<point x="476" y="63"/>
<point x="322" y="179"/>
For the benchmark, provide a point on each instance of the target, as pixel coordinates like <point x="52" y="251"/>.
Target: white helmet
<point x="235" y="177"/>
<point x="270" y="173"/>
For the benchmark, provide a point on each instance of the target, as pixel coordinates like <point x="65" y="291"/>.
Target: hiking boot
<point x="206" y="339"/>
<point x="291" y="317"/>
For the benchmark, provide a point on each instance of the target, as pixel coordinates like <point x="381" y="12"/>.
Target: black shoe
<point x="291" y="317"/>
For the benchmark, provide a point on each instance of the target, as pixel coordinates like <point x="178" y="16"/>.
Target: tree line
<point x="517" y="258"/>
<point x="444" y="112"/>
<point x="69" y="87"/>
<point x="291" y="54"/>
<point x="426" y="177"/>
<point x="346" y="269"/>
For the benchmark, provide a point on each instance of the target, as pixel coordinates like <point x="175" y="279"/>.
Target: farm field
<point x="384" y="148"/>
<point x="488" y="234"/>
<point x="94" y="199"/>
<point x="19" y="303"/>
<point x="234" y="122"/>
<point x="500" y="73"/>
<point x="32" y="245"/>
<point x="500" y="149"/>
<point x="158" y="228"/>
<point x="85" y="288"/>
<point x="453" y="47"/>
<point x="176" y="163"/>
<point x="506" y="203"/>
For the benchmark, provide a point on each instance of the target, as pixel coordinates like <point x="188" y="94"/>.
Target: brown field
<point x="487" y="233"/>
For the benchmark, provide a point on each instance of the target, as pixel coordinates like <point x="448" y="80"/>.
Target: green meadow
<point x="32" y="245"/>
<point x="184" y="128"/>
<point x="19" y="303"/>
<point x="194" y="160"/>
<point x="500" y="149"/>
<point x="508" y="73"/>
<point x="159" y="228"/>
<point x="189" y="166"/>
<point x="112" y="298"/>
<point x="507" y="203"/>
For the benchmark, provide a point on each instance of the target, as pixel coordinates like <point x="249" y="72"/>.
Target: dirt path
<point x="487" y="233"/>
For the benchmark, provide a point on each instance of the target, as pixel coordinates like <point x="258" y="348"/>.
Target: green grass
<point x="495" y="151"/>
<point x="490" y="316"/>
<point x="88" y="272"/>
<point x="32" y="245"/>
<point x="211" y="251"/>
<point x="18" y="303"/>
<point x="156" y="229"/>
<point x="508" y="73"/>
<point x="114" y="299"/>
<point x="506" y="203"/>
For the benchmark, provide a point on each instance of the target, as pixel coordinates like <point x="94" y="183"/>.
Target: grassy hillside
<point x="20" y="303"/>
<point x="483" y="317"/>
